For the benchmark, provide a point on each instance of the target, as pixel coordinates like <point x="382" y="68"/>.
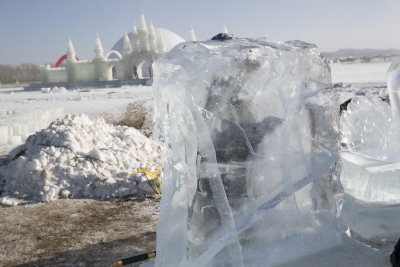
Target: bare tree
<point x="25" y="72"/>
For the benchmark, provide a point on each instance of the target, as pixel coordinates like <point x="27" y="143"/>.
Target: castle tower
<point x="192" y="36"/>
<point x="135" y="40"/>
<point x="71" y="60"/>
<point x="127" y="48"/>
<point x="99" y="61"/>
<point x="126" y="58"/>
<point x="160" y="46"/>
<point x="152" y="39"/>
<point x="225" y="29"/>
<point x="71" y="52"/>
<point x="143" y="35"/>
<point x="98" y="50"/>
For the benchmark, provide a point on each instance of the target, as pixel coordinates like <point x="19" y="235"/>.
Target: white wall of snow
<point x="359" y="72"/>
<point x="15" y="126"/>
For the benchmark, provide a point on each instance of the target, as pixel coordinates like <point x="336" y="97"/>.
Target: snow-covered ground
<point x="25" y="112"/>
<point x="359" y="72"/>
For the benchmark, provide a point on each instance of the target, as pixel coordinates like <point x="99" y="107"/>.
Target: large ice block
<point x="372" y="197"/>
<point x="250" y="139"/>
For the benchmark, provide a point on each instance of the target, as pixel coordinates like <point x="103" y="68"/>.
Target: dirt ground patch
<point x="138" y="115"/>
<point x="76" y="232"/>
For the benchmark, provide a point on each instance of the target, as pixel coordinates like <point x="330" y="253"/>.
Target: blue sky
<point x="37" y="31"/>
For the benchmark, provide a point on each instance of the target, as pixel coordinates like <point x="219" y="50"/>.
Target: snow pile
<point x="76" y="157"/>
<point x="251" y="152"/>
<point x="15" y="127"/>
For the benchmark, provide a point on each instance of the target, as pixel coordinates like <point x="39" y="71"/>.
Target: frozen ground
<point x="24" y="112"/>
<point x="360" y="72"/>
<point x="94" y="233"/>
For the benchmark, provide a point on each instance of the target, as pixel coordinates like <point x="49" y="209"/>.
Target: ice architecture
<point x="371" y="164"/>
<point x="15" y="127"/>
<point x="250" y="143"/>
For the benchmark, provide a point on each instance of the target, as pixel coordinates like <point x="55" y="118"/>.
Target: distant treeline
<point x="21" y="73"/>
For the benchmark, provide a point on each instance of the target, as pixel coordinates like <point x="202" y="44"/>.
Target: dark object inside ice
<point x="343" y="106"/>
<point x="338" y="85"/>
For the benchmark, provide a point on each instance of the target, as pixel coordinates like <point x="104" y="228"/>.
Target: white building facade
<point x="144" y="47"/>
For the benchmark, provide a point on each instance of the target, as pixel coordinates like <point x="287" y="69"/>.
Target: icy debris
<point x="250" y="154"/>
<point x="76" y="157"/>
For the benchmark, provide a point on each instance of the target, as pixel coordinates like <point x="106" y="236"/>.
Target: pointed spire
<point x="134" y="28"/>
<point x="160" y="46"/>
<point x="192" y="36"/>
<point x="70" y="51"/>
<point x="152" y="38"/>
<point x="142" y="26"/>
<point x="127" y="48"/>
<point x="143" y="35"/>
<point x="98" y="50"/>
<point x="135" y="38"/>
<point x="225" y="30"/>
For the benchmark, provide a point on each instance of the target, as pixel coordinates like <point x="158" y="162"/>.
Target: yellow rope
<point x="153" y="175"/>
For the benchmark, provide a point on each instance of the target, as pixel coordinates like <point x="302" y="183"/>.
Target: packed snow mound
<point x="250" y="141"/>
<point x="77" y="157"/>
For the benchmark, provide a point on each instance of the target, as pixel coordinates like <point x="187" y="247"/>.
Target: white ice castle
<point x="130" y="58"/>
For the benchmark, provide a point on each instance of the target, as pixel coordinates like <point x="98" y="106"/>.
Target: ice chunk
<point x="370" y="180"/>
<point x="250" y="151"/>
<point x="372" y="193"/>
